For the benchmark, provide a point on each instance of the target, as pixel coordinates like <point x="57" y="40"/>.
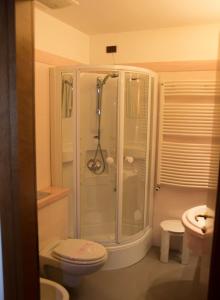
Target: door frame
<point x="18" y="211"/>
<point x="214" y="273"/>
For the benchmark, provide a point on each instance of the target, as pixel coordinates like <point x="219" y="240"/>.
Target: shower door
<point x="113" y="200"/>
<point x="107" y="116"/>
<point x="97" y="190"/>
<point x="135" y="154"/>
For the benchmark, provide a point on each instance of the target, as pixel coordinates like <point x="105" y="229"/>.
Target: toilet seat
<point x="77" y="251"/>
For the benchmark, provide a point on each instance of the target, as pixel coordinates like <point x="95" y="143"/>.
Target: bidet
<point x="50" y="290"/>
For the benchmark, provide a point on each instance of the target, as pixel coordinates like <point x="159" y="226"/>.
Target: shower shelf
<point x="67" y="153"/>
<point x="67" y="156"/>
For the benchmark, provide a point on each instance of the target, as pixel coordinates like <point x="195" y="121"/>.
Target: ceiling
<point x="111" y="16"/>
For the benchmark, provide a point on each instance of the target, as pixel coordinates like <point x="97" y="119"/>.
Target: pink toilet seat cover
<point x="79" y="250"/>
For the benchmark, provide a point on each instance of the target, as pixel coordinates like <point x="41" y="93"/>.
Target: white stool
<point x="172" y="228"/>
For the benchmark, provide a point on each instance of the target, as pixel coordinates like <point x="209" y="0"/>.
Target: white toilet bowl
<point x="67" y="261"/>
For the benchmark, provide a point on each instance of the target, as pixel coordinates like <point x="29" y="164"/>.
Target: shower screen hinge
<point x="157" y="187"/>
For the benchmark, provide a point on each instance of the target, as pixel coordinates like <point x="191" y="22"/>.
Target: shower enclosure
<point x="103" y="132"/>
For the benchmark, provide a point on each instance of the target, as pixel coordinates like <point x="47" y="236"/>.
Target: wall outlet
<point x="111" y="49"/>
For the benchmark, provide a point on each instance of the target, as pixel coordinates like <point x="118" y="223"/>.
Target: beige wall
<point x="55" y="37"/>
<point x="168" y="44"/>
<point x="56" y="43"/>
<point x="42" y="111"/>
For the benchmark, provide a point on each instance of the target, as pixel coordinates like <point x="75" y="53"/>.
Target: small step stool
<point x="172" y="228"/>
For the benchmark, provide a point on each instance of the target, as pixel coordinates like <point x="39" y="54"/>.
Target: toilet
<point x="67" y="261"/>
<point x="63" y="259"/>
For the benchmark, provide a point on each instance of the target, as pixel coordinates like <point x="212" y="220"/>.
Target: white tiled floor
<point x="147" y="280"/>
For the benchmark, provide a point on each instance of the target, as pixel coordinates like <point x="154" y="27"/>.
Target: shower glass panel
<point x="97" y="105"/>
<point x="103" y="140"/>
<point x="135" y="153"/>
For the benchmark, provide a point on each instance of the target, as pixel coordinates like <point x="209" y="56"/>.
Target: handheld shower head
<point x="95" y="165"/>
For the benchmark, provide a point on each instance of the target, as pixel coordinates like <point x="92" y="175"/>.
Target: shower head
<point x="114" y="75"/>
<point x="101" y="82"/>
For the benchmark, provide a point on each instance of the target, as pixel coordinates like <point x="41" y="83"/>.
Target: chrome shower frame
<point x="121" y="71"/>
<point x="56" y="142"/>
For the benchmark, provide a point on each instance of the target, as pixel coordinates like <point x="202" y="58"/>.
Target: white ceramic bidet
<point x="50" y="290"/>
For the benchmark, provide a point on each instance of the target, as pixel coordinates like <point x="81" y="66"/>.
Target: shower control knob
<point x="110" y="160"/>
<point x="129" y="159"/>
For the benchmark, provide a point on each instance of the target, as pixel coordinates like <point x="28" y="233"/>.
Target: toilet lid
<point x="79" y="250"/>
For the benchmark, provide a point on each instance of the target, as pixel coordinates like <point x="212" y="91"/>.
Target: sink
<point x="50" y="290"/>
<point x="198" y="229"/>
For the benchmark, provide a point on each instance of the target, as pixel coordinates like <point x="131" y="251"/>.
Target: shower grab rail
<point x="188" y="125"/>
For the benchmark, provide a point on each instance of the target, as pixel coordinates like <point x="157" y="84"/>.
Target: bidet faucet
<point x="205" y="216"/>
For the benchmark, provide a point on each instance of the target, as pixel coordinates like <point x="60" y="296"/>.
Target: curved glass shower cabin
<point x="107" y="153"/>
